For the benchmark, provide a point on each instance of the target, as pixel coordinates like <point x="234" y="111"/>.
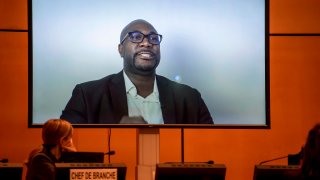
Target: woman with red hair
<point x="56" y="137"/>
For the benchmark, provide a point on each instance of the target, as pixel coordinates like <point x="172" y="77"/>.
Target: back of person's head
<point x="311" y="156"/>
<point x="54" y="130"/>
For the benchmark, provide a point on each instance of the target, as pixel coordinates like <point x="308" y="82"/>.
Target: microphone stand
<point x="182" y="149"/>
<point x="182" y="145"/>
<point x="110" y="152"/>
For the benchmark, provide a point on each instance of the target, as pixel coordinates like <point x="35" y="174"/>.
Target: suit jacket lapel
<point x="119" y="96"/>
<point x="167" y="100"/>
<point x="114" y="101"/>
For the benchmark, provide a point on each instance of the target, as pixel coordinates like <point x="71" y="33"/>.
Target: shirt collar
<point x="131" y="88"/>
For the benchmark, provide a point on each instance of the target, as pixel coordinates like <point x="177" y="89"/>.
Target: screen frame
<point x="267" y="125"/>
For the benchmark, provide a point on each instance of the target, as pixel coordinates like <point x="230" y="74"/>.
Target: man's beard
<point x="145" y="69"/>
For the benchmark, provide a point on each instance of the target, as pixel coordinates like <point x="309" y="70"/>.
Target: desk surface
<point x="90" y="165"/>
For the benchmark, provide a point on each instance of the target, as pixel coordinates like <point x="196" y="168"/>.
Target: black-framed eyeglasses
<point x="137" y="37"/>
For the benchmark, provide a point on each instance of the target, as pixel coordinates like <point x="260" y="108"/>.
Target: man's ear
<point x="120" y="49"/>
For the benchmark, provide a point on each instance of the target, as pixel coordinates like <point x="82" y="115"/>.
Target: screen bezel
<point x="267" y="125"/>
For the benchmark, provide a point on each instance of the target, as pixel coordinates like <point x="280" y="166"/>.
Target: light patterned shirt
<point x="149" y="108"/>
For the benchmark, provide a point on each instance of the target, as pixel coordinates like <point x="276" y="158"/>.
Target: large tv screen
<point x="219" y="48"/>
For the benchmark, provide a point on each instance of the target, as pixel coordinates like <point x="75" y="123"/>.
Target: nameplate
<point x="97" y="174"/>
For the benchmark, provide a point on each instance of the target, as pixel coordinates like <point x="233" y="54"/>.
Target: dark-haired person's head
<point x="311" y="155"/>
<point x="140" y="48"/>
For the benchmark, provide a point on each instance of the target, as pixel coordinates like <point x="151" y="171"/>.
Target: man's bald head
<point x="132" y="27"/>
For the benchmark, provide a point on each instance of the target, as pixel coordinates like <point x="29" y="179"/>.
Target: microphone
<point x="110" y="153"/>
<point x="262" y="162"/>
<point x="210" y="162"/>
<point x="293" y="159"/>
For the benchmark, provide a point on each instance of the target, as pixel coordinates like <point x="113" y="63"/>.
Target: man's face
<point x="140" y="58"/>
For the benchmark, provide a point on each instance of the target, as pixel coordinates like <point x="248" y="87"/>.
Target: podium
<point x="10" y="170"/>
<point x="276" y="172"/>
<point x="190" y="171"/>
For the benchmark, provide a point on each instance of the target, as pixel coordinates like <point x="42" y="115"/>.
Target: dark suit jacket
<point x="104" y="101"/>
